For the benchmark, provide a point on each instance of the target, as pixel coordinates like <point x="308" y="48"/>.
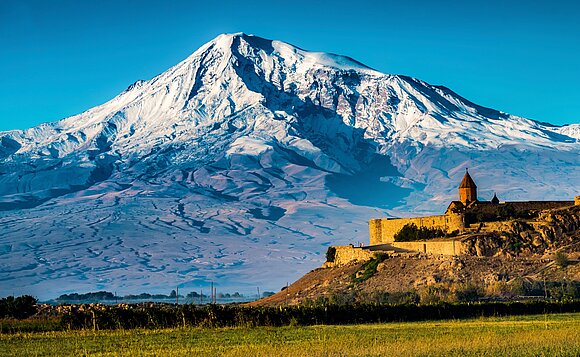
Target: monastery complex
<point x="464" y="218"/>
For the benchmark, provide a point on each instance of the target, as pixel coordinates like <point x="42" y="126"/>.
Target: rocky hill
<point x="523" y="261"/>
<point x="550" y="231"/>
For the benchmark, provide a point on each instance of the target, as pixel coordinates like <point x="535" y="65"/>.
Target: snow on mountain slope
<point x="242" y="163"/>
<point x="571" y="130"/>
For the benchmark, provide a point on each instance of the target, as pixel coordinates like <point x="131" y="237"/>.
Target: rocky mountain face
<point x="551" y="231"/>
<point x="242" y="163"/>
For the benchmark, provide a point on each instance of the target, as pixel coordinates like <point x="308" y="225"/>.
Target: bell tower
<point x="467" y="189"/>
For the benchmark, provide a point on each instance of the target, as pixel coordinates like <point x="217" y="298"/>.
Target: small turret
<point x="495" y="200"/>
<point x="467" y="189"/>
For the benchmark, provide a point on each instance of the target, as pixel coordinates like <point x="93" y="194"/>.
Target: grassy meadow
<point x="548" y="335"/>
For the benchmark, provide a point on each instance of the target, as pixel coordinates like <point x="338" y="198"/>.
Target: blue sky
<point x="59" y="58"/>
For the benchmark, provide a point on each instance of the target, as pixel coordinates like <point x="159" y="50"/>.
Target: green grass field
<point x="547" y="335"/>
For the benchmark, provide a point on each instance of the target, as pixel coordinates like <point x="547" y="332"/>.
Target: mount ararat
<point x="243" y="163"/>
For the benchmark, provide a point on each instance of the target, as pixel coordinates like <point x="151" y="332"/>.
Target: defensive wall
<point x="517" y="206"/>
<point x="348" y="253"/>
<point x="383" y="230"/>
<point x="443" y="247"/>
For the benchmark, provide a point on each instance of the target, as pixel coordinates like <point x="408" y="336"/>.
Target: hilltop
<point x="531" y="268"/>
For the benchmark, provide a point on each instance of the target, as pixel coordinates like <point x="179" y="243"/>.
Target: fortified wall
<point x="516" y="206"/>
<point x="383" y="230"/>
<point x="348" y="253"/>
<point x="443" y="247"/>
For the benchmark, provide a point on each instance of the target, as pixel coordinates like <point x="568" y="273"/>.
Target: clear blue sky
<point x="59" y="58"/>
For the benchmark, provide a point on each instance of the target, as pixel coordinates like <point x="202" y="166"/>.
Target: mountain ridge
<point x="260" y="140"/>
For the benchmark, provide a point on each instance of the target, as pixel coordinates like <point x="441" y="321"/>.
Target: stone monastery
<point x="464" y="218"/>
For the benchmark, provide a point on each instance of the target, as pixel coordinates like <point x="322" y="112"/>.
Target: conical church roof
<point x="467" y="181"/>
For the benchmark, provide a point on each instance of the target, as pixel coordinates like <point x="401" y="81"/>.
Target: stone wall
<point x="447" y="247"/>
<point x="537" y="205"/>
<point x="383" y="230"/>
<point x="348" y="253"/>
<point x="577" y="200"/>
<point x="495" y="209"/>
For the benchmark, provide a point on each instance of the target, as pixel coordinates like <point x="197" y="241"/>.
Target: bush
<point x="18" y="308"/>
<point x="369" y="268"/>
<point x="563" y="291"/>
<point x="393" y="298"/>
<point x="410" y="232"/>
<point x="454" y="233"/>
<point x="468" y="292"/>
<point x="433" y="294"/>
<point x="561" y="259"/>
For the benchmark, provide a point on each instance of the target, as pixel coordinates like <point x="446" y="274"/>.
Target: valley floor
<point x="553" y="335"/>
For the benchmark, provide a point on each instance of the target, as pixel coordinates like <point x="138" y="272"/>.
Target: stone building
<point x="461" y="215"/>
<point x="467" y="189"/>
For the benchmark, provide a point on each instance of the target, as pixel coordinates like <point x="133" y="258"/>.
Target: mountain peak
<point x="283" y="50"/>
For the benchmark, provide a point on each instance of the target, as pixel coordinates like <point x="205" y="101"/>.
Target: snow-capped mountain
<point x="242" y="163"/>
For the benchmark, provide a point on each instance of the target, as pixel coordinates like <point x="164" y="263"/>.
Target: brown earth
<point x="415" y="274"/>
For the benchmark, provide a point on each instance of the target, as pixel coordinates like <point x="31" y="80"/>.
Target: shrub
<point x="468" y="292"/>
<point x="561" y="259"/>
<point x="517" y="287"/>
<point x="342" y="298"/>
<point x="563" y="291"/>
<point x="410" y="232"/>
<point x="18" y="308"/>
<point x="369" y="268"/>
<point x="454" y="233"/>
<point x="433" y="294"/>
<point x="393" y="298"/>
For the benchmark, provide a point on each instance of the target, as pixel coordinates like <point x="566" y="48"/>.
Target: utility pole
<point x="258" y="292"/>
<point x="545" y="291"/>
